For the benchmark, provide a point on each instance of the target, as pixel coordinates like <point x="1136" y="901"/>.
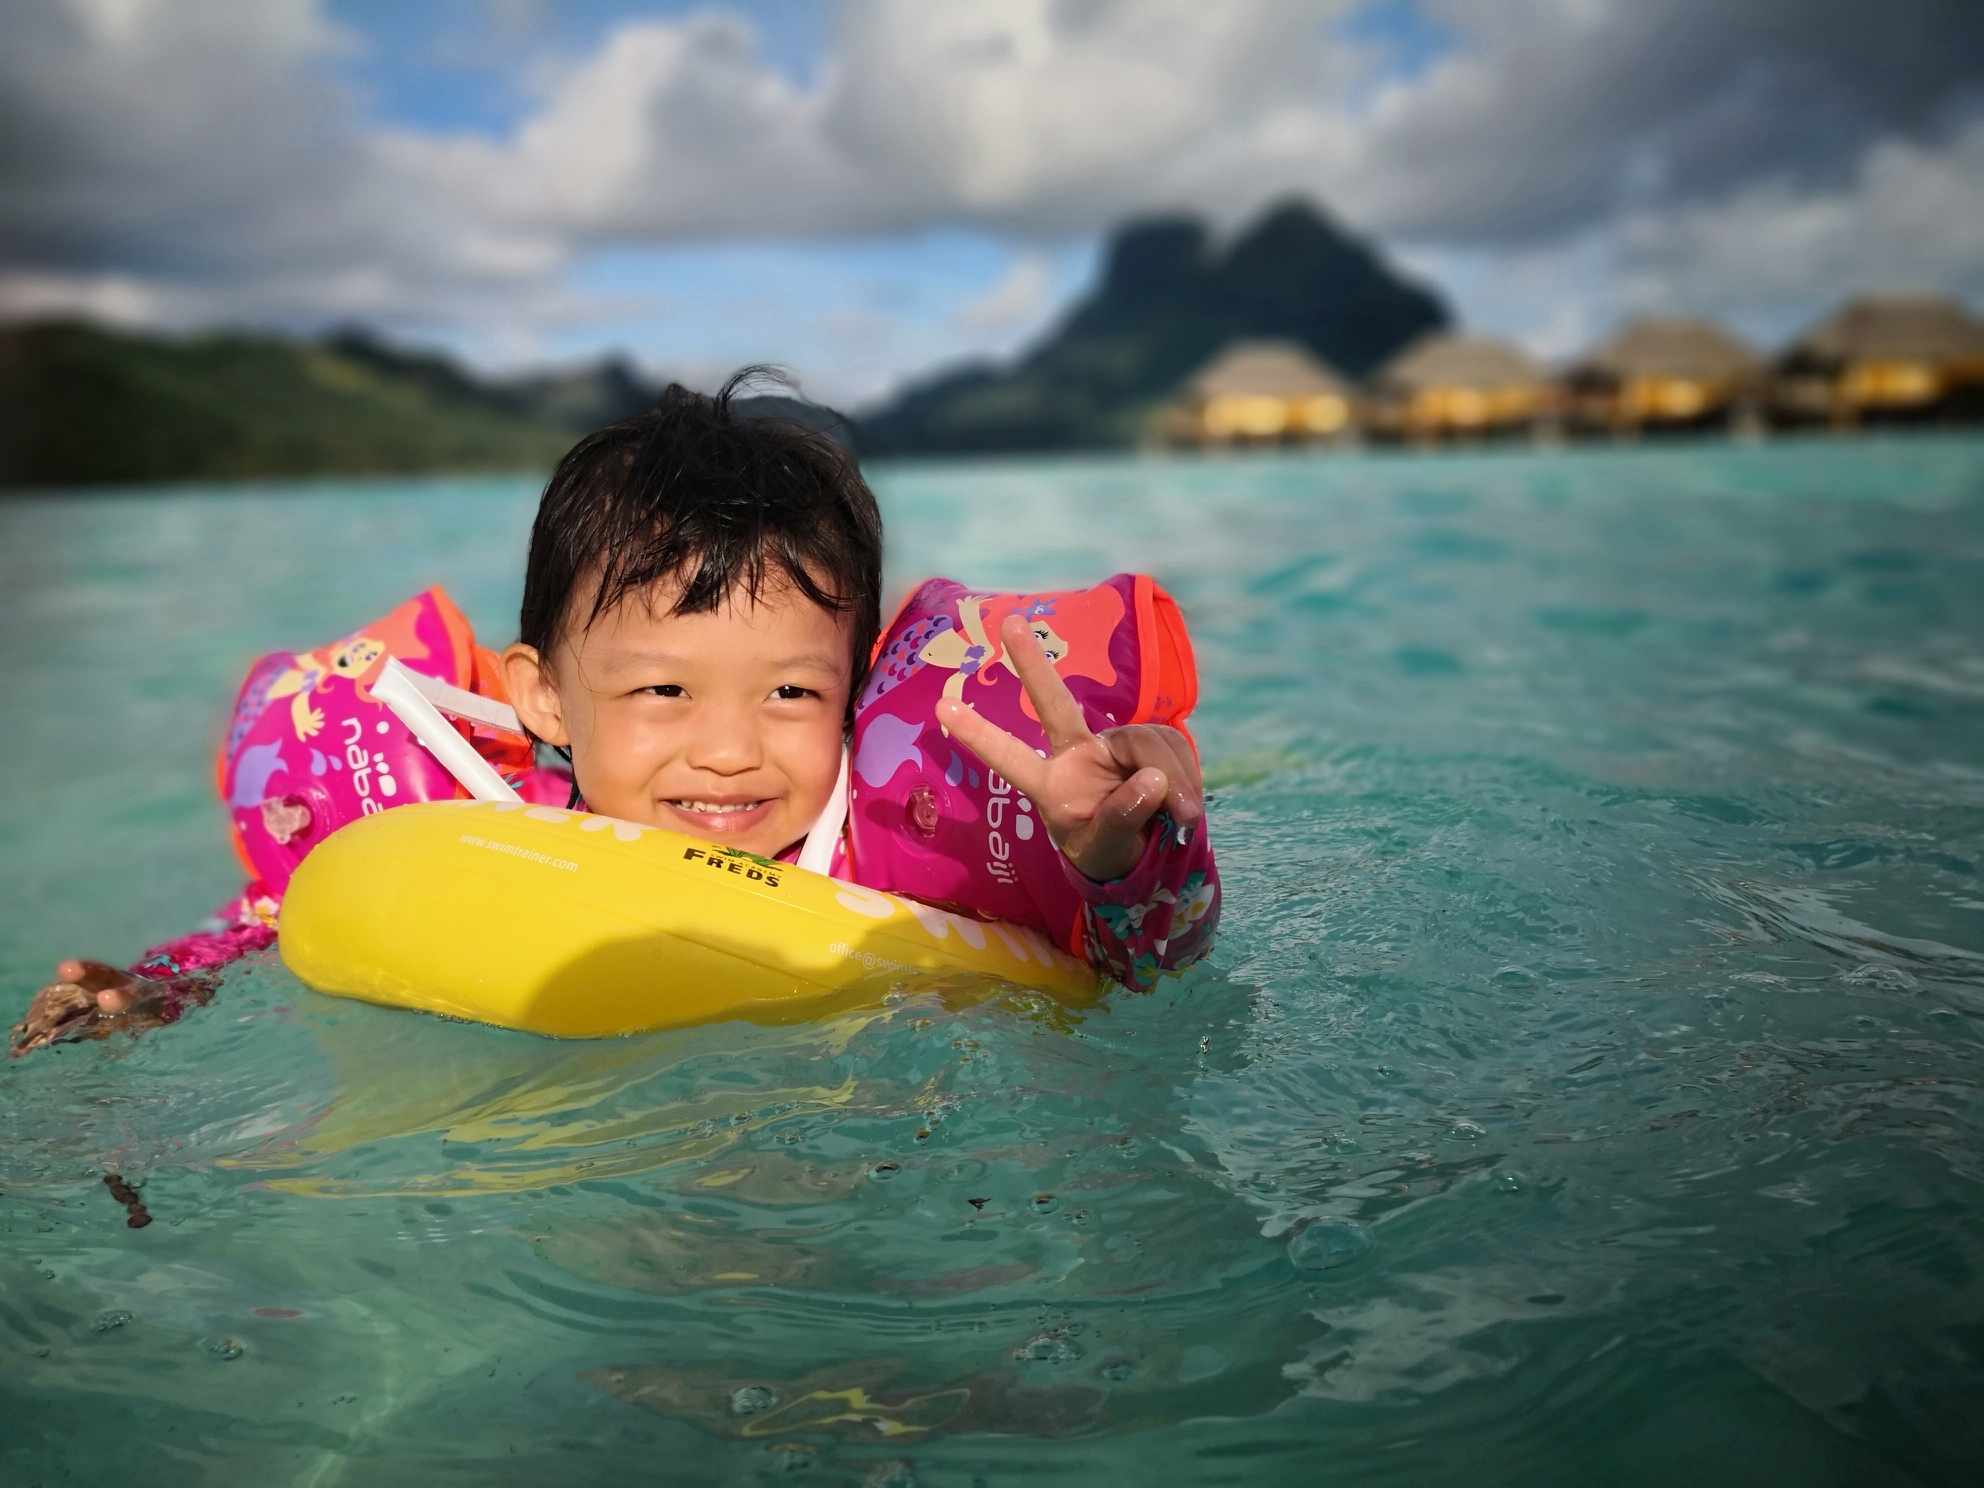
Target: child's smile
<point x="726" y="725"/>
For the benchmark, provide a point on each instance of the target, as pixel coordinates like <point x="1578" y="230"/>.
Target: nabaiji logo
<point x="1005" y="809"/>
<point x="733" y="860"/>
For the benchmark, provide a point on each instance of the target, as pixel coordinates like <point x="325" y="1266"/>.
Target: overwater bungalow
<point x="1261" y="392"/>
<point x="1885" y="358"/>
<point x="1450" y="386"/>
<point x="1665" y="374"/>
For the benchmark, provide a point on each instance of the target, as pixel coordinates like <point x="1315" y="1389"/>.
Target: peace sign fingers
<point x="1096" y="794"/>
<point x="1060" y="715"/>
<point x="995" y="746"/>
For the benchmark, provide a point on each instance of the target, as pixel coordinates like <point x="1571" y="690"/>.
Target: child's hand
<point x="1096" y="792"/>
<point x="85" y="1000"/>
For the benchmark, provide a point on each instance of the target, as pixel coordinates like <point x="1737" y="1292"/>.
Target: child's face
<point x="726" y="726"/>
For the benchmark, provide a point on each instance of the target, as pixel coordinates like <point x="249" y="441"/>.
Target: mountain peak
<point x="1167" y="301"/>
<point x="1155" y="254"/>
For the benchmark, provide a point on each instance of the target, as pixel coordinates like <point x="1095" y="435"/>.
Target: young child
<point x="701" y="604"/>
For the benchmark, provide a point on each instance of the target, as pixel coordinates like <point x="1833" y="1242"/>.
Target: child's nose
<point x="728" y="744"/>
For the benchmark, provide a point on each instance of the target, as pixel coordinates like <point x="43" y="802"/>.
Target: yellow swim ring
<point x="583" y="926"/>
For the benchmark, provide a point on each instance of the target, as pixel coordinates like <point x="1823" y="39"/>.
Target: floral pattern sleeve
<point x="1158" y="917"/>
<point x="246" y="924"/>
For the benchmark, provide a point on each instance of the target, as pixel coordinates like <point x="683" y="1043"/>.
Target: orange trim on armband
<point x="489" y="680"/>
<point x="888" y="629"/>
<point x="461" y="637"/>
<point x="1168" y="686"/>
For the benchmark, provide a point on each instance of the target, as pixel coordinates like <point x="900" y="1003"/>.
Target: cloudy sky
<point x="866" y="189"/>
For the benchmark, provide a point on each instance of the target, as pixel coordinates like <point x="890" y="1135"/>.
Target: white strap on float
<point x="818" y="853"/>
<point x="400" y="689"/>
<point x="458" y="702"/>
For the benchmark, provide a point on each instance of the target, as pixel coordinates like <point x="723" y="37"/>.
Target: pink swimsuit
<point x="309" y="749"/>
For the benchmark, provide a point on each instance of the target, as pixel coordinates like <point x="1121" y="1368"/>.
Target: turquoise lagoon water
<point x="1584" y="1088"/>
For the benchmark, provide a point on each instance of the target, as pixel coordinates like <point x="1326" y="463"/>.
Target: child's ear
<point x="533" y="695"/>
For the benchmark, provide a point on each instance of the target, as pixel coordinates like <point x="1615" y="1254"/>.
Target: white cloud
<point x="1544" y="115"/>
<point x="1022" y="295"/>
<point x="1910" y="216"/>
<point x="1769" y="257"/>
<point x="1564" y="159"/>
<point x="200" y="152"/>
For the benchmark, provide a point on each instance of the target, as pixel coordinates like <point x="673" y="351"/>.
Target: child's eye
<point x="666" y="689"/>
<point x="789" y="694"/>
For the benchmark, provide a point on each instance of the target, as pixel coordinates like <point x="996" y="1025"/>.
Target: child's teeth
<point x="705" y="806"/>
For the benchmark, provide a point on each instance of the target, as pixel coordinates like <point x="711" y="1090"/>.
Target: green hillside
<point x="79" y="404"/>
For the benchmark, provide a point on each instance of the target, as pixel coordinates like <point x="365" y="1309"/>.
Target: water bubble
<point x="1051" y="1347"/>
<point x="882" y="1172"/>
<point x="748" y="1400"/>
<point x="224" y="1346"/>
<point x="1325" y="1244"/>
<point x="105" y="1321"/>
<point x="1509" y="1183"/>
<point x="1117" y="1371"/>
<point x="1467" y="1131"/>
<point x="1044" y="1204"/>
<point x="963" y="1170"/>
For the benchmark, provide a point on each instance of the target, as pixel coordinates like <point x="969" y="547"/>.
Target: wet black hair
<point x="716" y="496"/>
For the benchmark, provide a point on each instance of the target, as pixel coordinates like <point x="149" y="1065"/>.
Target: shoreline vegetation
<point x="1293" y="333"/>
<point x="84" y="405"/>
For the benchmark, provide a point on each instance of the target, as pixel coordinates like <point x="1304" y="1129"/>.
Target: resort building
<point x="1261" y="392"/>
<point x="1665" y="375"/>
<point x="1459" y="387"/>
<point x="1885" y="358"/>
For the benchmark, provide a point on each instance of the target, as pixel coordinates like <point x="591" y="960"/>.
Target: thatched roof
<point x="1895" y="328"/>
<point x="1265" y="369"/>
<point x="1446" y="361"/>
<point x="1681" y="350"/>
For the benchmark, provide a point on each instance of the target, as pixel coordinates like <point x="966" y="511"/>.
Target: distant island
<point x="1168" y="301"/>
<point x="1294" y="333"/>
<point x="80" y="404"/>
<point x="86" y="405"/>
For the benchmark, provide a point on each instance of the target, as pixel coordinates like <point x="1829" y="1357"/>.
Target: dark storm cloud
<point x="1551" y="116"/>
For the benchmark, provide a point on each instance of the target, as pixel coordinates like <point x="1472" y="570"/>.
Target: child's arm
<point x="89" y="999"/>
<point x="1159" y="916"/>
<point x="1127" y="809"/>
